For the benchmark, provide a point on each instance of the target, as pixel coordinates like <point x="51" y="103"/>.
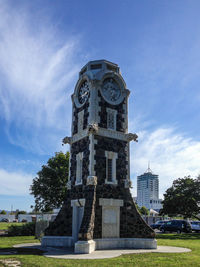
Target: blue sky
<point x="44" y="44"/>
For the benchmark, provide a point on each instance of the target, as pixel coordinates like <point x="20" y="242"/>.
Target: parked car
<point x="195" y="226"/>
<point x="158" y="224"/>
<point x="176" y="226"/>
<point x="4" y="220"/>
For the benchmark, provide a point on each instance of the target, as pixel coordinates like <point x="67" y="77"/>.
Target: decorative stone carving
<point x="91" y="180"/>
<point x="93" y="128"/>
<point x="132" y="137"/>
<point x="111" y="118"/>
<point x="111" y="202"/>
<point x="127" y="183"/>
<point x="69" y="185"/>
<point x="67" y="140"/>
<point x="80" y="121"/>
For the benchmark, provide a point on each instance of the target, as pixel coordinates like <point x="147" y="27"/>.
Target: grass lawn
<point x="30" y="257"/>
<point x="5" y="225"/>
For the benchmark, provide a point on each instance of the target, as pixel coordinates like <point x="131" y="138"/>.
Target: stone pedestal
<point x="85" y="247"/>
<point x="126" y="243"/>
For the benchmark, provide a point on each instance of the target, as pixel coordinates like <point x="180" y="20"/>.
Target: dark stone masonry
<point x="75" y="116"/>
<point x="80" y="146"/>
<point x="131" y="223"/>
<point x="120" y="111"/>
<point x="100" y="197"/>
<point x="113" y="145"/>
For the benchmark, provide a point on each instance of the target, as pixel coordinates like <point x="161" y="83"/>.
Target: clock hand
<point x="84" y="94"/>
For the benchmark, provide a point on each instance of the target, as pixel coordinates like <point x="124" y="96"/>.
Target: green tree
<point x="3" y="212"/>
<point x="183" y="198"/>
<point x="20" y="212"/>
<point x="144" y="211"/>
<point x="49" y="187"/>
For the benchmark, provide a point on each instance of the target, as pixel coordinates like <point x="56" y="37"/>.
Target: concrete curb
<point x="68" y="253"/>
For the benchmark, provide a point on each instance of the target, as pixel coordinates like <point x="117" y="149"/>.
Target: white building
<point x="148" y="191"/>
<point x="36" y="217"/>
<point x="8" y="217"/>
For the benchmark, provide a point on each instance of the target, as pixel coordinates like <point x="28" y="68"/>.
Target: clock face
<point x="83" y="92"/>
<point x="111" y="90"/>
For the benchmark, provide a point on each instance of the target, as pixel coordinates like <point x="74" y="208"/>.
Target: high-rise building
<point x="148" y="190"/>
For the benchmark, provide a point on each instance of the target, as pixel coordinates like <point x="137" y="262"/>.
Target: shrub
<point x="3" y="212"/>
<point x="21" y="230"/>
<point x="40" y="228"/>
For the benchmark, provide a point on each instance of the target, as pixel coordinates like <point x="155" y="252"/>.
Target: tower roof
<point x="98" y="65"/>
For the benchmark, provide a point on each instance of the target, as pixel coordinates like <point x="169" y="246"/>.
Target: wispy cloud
<point x="37" y="73"/>
<point x="14" y="183"/>
<point x="171" y="154"/>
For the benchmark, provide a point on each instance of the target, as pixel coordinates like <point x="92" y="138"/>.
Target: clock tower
<point x="99" y="212"/>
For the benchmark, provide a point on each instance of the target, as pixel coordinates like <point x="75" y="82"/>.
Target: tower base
<point x="87" y="247"/>
<point x="57" y="241"/>
<point x="114" y="243"/>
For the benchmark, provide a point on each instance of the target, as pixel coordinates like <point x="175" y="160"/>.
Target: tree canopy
<point x="20" y="212"/>
<point x="183" y="198"/>
<point x="50" y="186"/>
<point x="143" y="210"/>
<point x="3" y="212"/>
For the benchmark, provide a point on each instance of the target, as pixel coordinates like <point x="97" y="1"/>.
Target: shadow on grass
<point x="20" y="251"/>
<point x="182" y="236"/>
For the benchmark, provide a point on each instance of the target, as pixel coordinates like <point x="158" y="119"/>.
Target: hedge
<point x="22" y="230"/>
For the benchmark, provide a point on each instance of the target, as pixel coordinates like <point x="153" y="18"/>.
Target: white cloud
<point x="14" y="183"/>
<point x="171" y="154"/>
<point x="37" y="72"/>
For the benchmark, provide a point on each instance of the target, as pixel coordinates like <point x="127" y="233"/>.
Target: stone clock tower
<point x="99" y="211"/>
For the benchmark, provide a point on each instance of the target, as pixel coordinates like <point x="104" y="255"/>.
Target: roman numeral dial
<point x="83" y="92"/>
<point x="111" y="90"/>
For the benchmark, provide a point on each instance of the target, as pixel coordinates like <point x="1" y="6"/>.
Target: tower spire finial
<point x="149" y="170"/>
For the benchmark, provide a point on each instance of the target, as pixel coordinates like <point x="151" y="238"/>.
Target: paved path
<point x="68" y="253"/>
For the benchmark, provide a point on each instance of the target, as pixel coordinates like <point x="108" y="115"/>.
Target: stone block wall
<point x="109" y="144"/>
<point x="87" y="226"/>
<point x="131" y="223"/>
<point x="75" y="116"/>
<point x="62" y="225"/>
<point x="80" y="146"/>
<point x="120" y="112"/>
